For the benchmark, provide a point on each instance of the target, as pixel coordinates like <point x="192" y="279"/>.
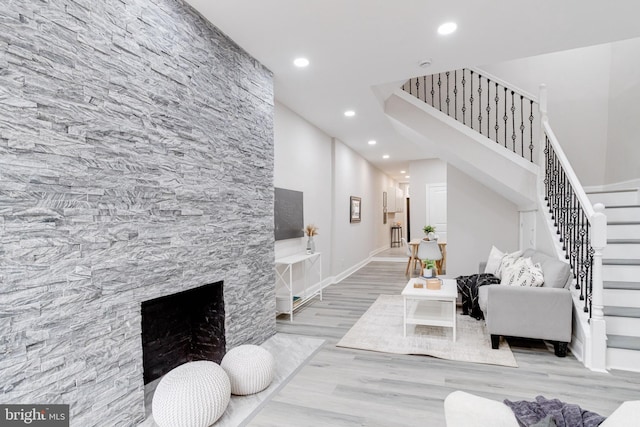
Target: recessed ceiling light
<point x="407" y="176"/>
<point x="372" y="142"/>
<point x="301" y="62"/>
<point x="447" y="28"/>
<point x="425" y="63"/>
<point x="386" y="156"/>
<point x="349" y="113"/>
<point x="403" y="171"/>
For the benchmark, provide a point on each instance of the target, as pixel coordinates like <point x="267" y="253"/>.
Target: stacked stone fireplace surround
<point x="136" y="161"/>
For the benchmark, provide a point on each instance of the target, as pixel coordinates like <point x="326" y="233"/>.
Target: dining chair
<point x="409" y="251"/>
<point x="429" y="249"/>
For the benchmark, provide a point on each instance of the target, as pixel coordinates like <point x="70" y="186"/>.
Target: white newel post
<point x="597" y="323"/>
<point x="542" y="105"/>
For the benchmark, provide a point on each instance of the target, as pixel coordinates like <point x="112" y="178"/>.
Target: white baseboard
<point x="349" y="271"/>
<point x="624" y="185"/>
<point x="377" y="251"/>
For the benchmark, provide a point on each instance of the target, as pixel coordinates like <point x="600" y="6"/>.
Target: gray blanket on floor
<point x="563" y="414"/>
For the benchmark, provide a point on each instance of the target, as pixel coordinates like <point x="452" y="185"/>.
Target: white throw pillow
<point x="493" y="263"/>
<point x="507" y="261"/>
<point x="523" y="273"/>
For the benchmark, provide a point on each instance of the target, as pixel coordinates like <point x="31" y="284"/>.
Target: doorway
<point x="436" y="212"/>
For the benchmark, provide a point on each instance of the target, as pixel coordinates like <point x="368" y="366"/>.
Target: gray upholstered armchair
<point x="531" y="312"/>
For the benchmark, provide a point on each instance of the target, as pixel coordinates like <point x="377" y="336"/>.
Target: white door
<point x="437" y="209"/>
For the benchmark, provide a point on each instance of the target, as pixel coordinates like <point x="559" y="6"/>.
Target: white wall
<point x="303" y="162"/>
<point x="328" y="173"/>
<point x="354" y="176"/>
<point x="477" y="219"/>
<point x="423" y="172"/>
<point x="578" y="87"/>
<point x="623" y="146"/>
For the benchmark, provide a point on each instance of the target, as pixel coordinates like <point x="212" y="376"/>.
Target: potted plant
<point x="429" y="266"/>
<point x="430" y="231"/>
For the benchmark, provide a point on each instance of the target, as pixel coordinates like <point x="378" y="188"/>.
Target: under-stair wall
<point x="501" y="170"/>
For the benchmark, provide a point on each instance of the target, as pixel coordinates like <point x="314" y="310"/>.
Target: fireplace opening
<point x="182" y="327"/>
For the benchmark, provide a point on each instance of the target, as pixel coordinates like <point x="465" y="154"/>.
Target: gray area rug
<point x="380" y="329"/>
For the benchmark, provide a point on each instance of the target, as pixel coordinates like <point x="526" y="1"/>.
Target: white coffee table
<point x="430" y="307"/>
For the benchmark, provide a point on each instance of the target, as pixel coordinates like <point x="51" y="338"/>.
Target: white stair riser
<point x="621" y="273"/>
<point x="622" y="251"/>
<point x="621" y="298"/>
<point x="628" y="360"/>
<point x="627" y="326"/>
<point x="623" y="214"/>
<point x="626" y="231"/>
<point x="615" y="199"/>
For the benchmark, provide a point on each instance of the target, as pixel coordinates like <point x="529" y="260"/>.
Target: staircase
<point x="621" y="277"/>
<point x="481" y="125"/>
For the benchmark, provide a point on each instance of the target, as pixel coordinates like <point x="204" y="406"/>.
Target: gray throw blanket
<point x="563" y="414"/>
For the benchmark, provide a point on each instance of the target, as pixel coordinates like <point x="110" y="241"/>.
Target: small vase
<point x="311" y="245"/>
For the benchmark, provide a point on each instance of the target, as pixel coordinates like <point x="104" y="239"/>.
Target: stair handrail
<point x="582" y="228"/>
<point x="500" y="112"/>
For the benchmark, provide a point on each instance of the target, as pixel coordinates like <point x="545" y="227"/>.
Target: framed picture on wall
<point x="355" y="209"/>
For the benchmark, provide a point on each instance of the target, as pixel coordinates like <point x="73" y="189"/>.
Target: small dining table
<point x="441" y="264"/>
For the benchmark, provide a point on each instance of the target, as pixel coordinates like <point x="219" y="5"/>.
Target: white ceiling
<point x="357" y="45"/>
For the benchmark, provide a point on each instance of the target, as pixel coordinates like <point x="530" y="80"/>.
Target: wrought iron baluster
<point x="521" y="126"/>
<point x="488" y="107"/>
<point x="447" y="100"/>
<point x="424" y="88"/>
<point x="505" y="117"/>
<point x="480" y="103"/>
<point x="433" y="92"/>
<point x="455" y="94"/>
<point x="464" y="99"/>
<point x="513" y="123"/>
<point x="546" y="170"/>
<point x="417" y="87"/>
<point x="561" y="207"/>
<point x="531" y="130"/>
<point x="582" y="260"/>
<point x="440" y="91"/>
<point x="471" y="101"/>
<point x="497" y="127"/>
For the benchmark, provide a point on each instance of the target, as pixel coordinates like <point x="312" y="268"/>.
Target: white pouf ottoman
<point x="250" y="369"/>
<point x="194" y="394"/>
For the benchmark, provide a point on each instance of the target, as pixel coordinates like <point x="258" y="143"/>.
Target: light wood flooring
<point x="347" y="387"/>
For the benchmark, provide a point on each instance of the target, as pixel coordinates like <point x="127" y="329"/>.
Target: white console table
<point x="290" y="297"/>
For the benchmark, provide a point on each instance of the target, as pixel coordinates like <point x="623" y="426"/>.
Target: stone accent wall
<point x="136" y="160"/>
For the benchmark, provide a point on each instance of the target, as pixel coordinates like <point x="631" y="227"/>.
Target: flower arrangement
<point x="311" y="230"/>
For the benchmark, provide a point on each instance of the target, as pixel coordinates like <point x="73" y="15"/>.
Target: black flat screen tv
<point x="289" y="221"/>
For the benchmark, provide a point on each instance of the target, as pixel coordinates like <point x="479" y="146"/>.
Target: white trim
<point x="503" y="83"/>
<point x="619" y="358"/>
<point x="349" y="271"/>
<point x="633" y="184"/>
